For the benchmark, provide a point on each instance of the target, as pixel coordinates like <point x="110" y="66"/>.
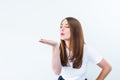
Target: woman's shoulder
<point x="88" y="47"/>
<point x="90" y="50"/>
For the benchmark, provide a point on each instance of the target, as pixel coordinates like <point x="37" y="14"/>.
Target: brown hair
<point x="76" y="44"/>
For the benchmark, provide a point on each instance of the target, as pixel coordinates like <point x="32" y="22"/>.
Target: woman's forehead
<point x="65" y="21"/>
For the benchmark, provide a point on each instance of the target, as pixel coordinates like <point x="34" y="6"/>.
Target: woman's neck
<point x="67" y="44"/>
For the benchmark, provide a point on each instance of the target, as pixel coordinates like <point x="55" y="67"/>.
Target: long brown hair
<point x="76" y="44"/>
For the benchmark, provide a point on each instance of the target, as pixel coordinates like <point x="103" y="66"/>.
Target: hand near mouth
<point x="49" y="42"/>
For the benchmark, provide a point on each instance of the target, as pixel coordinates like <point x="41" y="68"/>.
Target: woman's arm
<point x="56" y="63"/>
<point x="106" y="68"/>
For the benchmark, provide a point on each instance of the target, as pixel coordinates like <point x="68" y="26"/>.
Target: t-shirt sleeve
<point x="93" y="56"/>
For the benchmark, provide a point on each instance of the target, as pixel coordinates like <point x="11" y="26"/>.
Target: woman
<point x="71" y="57"/>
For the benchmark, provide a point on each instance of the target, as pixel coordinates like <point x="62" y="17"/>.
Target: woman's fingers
<point x="42" y="41"/>
<point x="49" y="42"/>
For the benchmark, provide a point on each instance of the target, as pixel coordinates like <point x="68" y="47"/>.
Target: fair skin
<point x="65" y="35"/>
<point x="65" y="32"/>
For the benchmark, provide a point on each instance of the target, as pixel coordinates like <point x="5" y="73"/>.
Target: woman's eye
<point x="67" y="26"/>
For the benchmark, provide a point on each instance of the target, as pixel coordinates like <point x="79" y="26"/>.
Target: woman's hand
<point x="49" y="42"/>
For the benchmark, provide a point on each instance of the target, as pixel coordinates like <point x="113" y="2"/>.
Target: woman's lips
<point x="61" y="33"/>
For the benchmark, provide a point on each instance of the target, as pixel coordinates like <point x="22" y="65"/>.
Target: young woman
<point x="70" y="58"/>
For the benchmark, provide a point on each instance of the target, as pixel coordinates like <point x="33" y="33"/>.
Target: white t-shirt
<point x="69" y="73"/>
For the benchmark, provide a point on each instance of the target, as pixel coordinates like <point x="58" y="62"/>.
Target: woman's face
<point x="64" y="30"/>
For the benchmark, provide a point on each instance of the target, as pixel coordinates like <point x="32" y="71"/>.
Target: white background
<point x="24" y="22"/>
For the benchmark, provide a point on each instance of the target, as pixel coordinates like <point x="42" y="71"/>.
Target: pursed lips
<point x="61" y="34"/>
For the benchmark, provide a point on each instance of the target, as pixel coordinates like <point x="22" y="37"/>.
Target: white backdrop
<point x="24" y="22"/>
